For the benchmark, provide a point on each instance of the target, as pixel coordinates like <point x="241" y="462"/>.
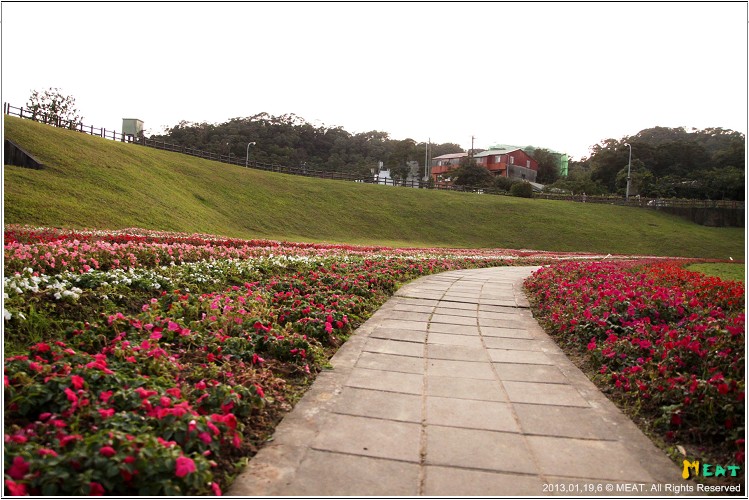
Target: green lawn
<point x="89" y="182"/>
<point x="724" y="271"/>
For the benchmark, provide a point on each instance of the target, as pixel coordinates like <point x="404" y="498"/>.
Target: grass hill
<point x="89" y="182"/>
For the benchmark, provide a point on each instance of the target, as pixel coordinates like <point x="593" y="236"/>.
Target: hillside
<point x="89" y="182"/>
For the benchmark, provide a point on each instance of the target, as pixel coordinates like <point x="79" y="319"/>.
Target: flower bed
<point x="667" y="343"/>
<point x="149" y="363"/>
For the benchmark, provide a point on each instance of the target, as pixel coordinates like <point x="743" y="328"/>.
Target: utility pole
<point x="629" y="169"/>
<point x="471" y="155"/>
<point x="426" y="160"/>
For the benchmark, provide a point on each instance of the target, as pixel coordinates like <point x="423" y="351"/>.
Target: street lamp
<point x="247" y="157"/>
<point x="629" y="168"/>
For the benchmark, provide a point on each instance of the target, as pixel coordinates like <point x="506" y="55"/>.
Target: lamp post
<point x="629" y="168"/>
<point x="247" y="157"/>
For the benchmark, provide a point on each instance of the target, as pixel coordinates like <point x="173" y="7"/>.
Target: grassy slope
<point x="94" y="183"/>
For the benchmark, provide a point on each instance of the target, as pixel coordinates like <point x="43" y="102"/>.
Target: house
<point x="443" y="164"/>
<point x="512" y="163"/>
<point x="507" y="162"/>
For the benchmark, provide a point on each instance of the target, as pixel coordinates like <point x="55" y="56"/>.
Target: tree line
<point x="666" y="163"/>
<point x="291" y="141"/>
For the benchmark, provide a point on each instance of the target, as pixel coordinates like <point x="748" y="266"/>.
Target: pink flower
<point x="200" y="385"/>
<point x="95" y="489"/>
<point x="105" y="412"/>
<point x="77" y="381"/>
<point x="68" y="439"/>
<point x="155" y="336"/>
<point x="107" y="451"/>
<point x="71" y="395"/>
<point x="41" y="347"/>
<point x="46" y="451"/>
<point x="184" y="466"/>
<point x="16" y="438"/>
<point x="173" y="326"/>
<point x="19" y="468"/>
<point x="163" y="442"/>
<point x="205" y="437"/>
<point x="216" y="489"/>
<point x="104" y="396"/>
<point x="18" y="490"/>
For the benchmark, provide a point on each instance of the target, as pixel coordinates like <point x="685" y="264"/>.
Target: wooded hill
<point x="666" y="162"/>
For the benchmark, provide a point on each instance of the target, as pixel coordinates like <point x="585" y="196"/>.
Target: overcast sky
<point x="558" y="75"/>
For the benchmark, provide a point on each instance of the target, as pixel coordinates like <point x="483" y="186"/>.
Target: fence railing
<point x="58" y="122"/>
<point x="306" y="171"/>
<point x="643" y="202"/>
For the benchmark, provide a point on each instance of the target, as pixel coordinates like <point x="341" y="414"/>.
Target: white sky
<point x="558" y="75"/>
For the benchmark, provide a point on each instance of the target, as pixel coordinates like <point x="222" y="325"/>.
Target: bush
<point x="522" y="190"/>
<point x="503" y="183"/>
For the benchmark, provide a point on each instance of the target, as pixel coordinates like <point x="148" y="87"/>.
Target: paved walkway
<point x="452" y="389"/>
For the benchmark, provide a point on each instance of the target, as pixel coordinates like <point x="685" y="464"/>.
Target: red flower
<point x="41" y="347"/>
<point x="77" y="381"/>
<point x="107" y="451"/>
<point x="104" y="396"/>
<point x="184" y="466"/>
<point x="47" y="451"/>
<point x="105" y="412"/>
<point x="16" y="489"/>
<point x="71" y="396"/>
<point x="95" y="489"/>
<point x="19" y="468"/>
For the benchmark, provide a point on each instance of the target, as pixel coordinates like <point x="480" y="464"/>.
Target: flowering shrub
<point x="174" y="339"/>
<point x="142" y="362"/>
<point x="665" y="341"/>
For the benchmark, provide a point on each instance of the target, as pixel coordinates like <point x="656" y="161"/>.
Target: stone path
<point x="452" y="389"/>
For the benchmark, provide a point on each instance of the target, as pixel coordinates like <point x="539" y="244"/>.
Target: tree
<point x="53" y="107"/>
<point x="640" y="182"/>
<point x="503" y="183"/>
<point x="548" y="170"/>
<point x="472" y="174"/>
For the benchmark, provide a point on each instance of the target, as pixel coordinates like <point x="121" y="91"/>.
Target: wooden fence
<point x="57" y="122"/>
